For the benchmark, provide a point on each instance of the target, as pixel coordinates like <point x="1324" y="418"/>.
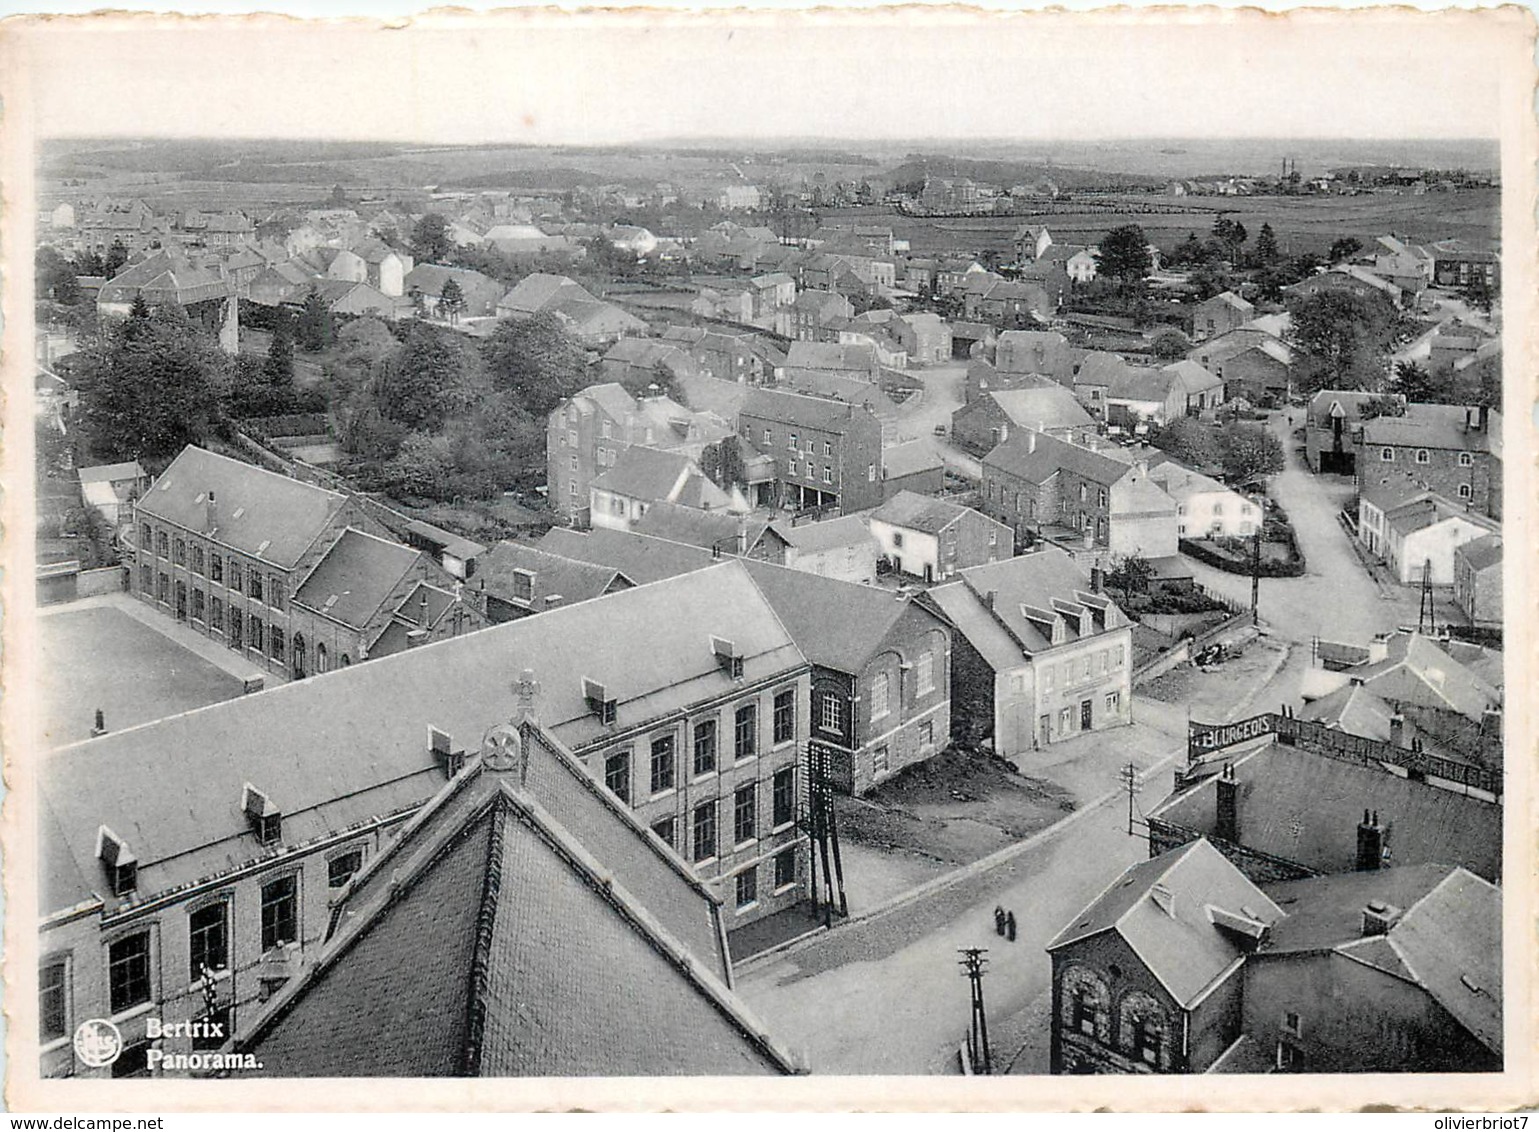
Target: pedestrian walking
<point x="1010" y="926"/>
<point x="999" y="920"/>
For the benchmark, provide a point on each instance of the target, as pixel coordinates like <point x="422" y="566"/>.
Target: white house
<point x="1422" y="535"/>
<point x="640" y="477"/>
<point x="112" y="488"/>
<point x="1082" y="265"/>
<point x="1206" y="508"/>
<point x="841" y="548"/>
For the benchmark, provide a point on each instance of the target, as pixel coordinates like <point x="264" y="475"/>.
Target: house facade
<point x="1206" y="508"/>
<point x="1453" y="449"/>
<point x="1039" y="654"/>
<point x="933" y="539"/>
<point x="827" y="454"/>
<point x="1477" y="581"/>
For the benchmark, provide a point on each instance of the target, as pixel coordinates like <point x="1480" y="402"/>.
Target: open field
<point x="99" y="657"/>
<point x="1302" y="224"/>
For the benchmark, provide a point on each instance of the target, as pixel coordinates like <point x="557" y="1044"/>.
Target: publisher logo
<point x="98" y="1042"/>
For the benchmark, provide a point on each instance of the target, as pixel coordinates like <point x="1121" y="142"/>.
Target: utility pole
<point x="1426" y="614"/>
<point x="972" y="963"/>
<point x="1130" y="781"/>
<point x="1255" y="578"/>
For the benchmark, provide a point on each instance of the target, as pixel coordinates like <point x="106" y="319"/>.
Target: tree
<point x="338" y="197"/>
<point x="1383" y="406"/>
<point x="1231" y="233"/>
<point x="1211" y="278"/>
<point x="1343" y="339"/>
<point x="90" y="263"/>
<point x="154" y="388"/>
<point x="1414" y="383"/>
<point x="56" y="277"/>
<point x="1188" y="441"/>
<point x="315" y="326"/>
<point x="1249" y="450"/>
<point x="430" y="241"/>
<point x="117" y="256"/>
<point x="1477" y="293"/>
<point x="451" y="301"/>
<point x="436" y="375"/>
<point x="1124" y="255"/>
<point x="1131" y="574"/>
<point x="279" y="367"/>
<point x="1189" y="251"/>
<point x="536" y="361"/>
<point x="1344" y="249"/>
<point x="1266" y="246"/>
<point x="1170" y="344"/>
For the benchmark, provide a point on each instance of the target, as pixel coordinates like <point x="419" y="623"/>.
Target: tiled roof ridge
<point x="640" y="919"/>
<point x="481" y="954"/>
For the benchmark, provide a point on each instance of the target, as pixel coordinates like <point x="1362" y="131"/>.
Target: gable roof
<point x="165" y="276"/>
<point x="1415" y="670"/>
<point x="1044" y="407"/>
<point x="708" y="529"/>
<point x="490" y="923"/>
<point x="832" y="385"/>
<point x="1305" y="808"/>
<point x="641" y="558"/>
<point x="1029" y="585"/>
<point x="644" y="473"/>
<point x="554" y="575"/>
<point x="261" y="513"/>
<point x="111" y="473"/>
<point x="799" y="409"/>
<point x="909" y="459"/>
<point x="187" y="829"/>
<point x="1354" y="709"/>
<point x="837" y="624"/>
<point x="1482" y="553"/>
<point x="355" y="576"/>
<point x="832" y="355"/>
<point x="827" y="534"/>
<point x="1040" y="461"/>
<point x="1163" y="909"/>
<point x="917" y="512"/>
<point x="1434" y="426"/>
<point x="537" y="291"/>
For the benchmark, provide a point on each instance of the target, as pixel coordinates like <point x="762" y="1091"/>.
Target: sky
<point x="552" y="78"/>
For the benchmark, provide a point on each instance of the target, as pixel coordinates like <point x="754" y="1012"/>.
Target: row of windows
<point x="1082" y="667"/>
<point x="1423" y="456"/>
<point x="702" y="845"/>
<point x="131" y="966"/>
<point x="793" y="469"/>
<point x="230" y="573"/>
<point x="926" y="667"/>
<point x="663" y="764"/>
<point x="746" y="883"/>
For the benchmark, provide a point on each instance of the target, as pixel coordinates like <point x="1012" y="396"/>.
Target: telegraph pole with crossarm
<point x="972" y="963"/>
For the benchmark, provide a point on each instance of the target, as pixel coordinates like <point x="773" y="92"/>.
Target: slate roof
<point x="447" y="541"/>
<point x="1048" y="406"/>
<point x="499" y="941"/>
<point x="917" y="512"/>
<point x="641" y="558"/>
<point x="644" y="473"/>
<point x="837" y="624"/>
<point x="1433" y="426"/>
<point x="1017" y="457"/>
<point x="1100" y="368"/>
<point x="1415" y="670"/>
<point x="538" y="291"/>
<point x="260" y="513"/>
<point x="910" y="459"/>
<point x="832" y="355"/>
<point x="708" y="529"/>
<point x="1418" y="514"/>
<point x="710" y="394"/>
<point x="112" y="473"/>
<point x="799" y="409"/>
<point x="1353" y="709"/>
<point x="1482" y="553"/>
<point x="1305" y="808"/>
<point x="1181" y="483"/>
<point x="184" y="828"/>
<point x="165" y="276"/>
<point x="423" y="607"/>
<point x="355" y="576"/>
<point x="829" y="534"/>
<point x="554" y="575"/>
<point x="832" y="385"/>
<point x="1036" y="580"/>
<point x="1176" y="938"/>
<point x="1448" y="940"/>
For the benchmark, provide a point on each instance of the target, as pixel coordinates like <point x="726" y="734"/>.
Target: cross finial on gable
<point x="528" y="691"/>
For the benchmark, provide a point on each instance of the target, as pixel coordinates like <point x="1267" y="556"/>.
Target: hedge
<point x="1292" y="568"/>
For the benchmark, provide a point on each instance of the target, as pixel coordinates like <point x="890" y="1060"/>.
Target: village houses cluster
<point x="517" y="781"/>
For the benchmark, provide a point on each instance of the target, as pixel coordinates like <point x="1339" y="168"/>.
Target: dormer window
<point x="727" y="658"/>
<point x="119" y="861"/>
<point x="441" y="745"/>
<point x="264" y="818"/>
<point x="598" y="700"/>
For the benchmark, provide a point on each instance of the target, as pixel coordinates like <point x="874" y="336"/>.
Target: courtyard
<point x="95" y="656"/>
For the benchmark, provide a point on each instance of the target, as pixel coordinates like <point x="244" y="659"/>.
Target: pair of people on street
<point x="1004" y="923"/>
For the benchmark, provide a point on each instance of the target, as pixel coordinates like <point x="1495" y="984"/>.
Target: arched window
<point x="346" y="660"/>
<point x="1143" y="1030"/>
<point x="1086" y="1004"/>
<point x="298" y="657"/>
<point x="322" y="662"/>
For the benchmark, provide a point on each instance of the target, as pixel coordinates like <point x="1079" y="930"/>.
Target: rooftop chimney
<point x="1379" y="916"/>
<point x="211" y="514"/>
<point x="1226" y="823"/>
<point x="1097" y="578"/>
<point x="1378" y="648"/>
<point x="1370" y="843"/>
<point x="742" y="535"/>
<point x="1031" y="441"/>
<point x="1397" y="730"/>
<point x="989" y="597"/>
<point x="422" y="607"/>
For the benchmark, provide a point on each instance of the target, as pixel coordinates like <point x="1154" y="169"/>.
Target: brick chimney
<point x="210" y="513"/>
<point x="1097" y="578"/>
<point x="1226" y="822"/>
<point x="1378" y="917"/>
<point x="1378" y="648"/>
<point x="1370" y="843"/>
<point x="1397" y="730"/>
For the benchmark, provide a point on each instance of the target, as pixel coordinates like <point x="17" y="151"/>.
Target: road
<point x="944" y="388"/>
<point x="885" y="995"/>
<point x="1336" y="598"/>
